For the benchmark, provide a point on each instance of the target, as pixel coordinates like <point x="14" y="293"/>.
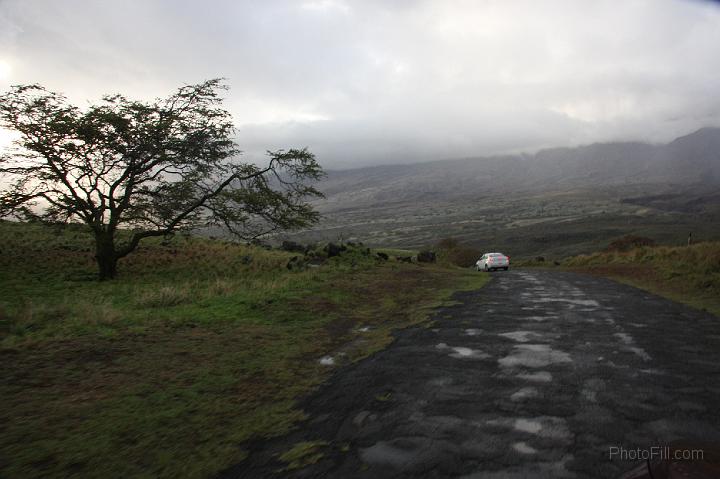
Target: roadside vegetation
<point x="197" y="347"/>
<point x="687" y="274"/>
<point x="453" y="251"/>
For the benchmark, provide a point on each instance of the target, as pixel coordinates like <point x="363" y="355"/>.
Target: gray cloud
<point x="362" y="82"/>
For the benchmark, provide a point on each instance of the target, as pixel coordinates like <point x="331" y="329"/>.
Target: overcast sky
<point x="382" y="81"/>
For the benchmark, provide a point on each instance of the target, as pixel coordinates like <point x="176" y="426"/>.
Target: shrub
<point x="452" y="251"/>
<point x="447" y="244"/>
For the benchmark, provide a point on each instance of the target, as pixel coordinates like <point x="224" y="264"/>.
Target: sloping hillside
<point x="559" y="201"/>
<point x="694" y="158"/>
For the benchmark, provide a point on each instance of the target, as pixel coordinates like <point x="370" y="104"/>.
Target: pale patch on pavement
<point x="534" y="356"/>
<point x="461" y="352"/>
<point x="523" y="448"/>
<point x="524" y="393"/>
<point x="521" y="336"/>
<point x="327" y="361"/>
<point x="539" y="377"/>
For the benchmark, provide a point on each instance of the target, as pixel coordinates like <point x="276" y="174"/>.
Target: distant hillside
<point x="694" y="158"/>
<point x="556" y="202"/>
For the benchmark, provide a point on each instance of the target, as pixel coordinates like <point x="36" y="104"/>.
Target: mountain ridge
<point x="689" y="159"/>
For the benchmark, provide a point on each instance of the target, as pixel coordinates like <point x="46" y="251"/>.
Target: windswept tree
<point x="151" y="168"/>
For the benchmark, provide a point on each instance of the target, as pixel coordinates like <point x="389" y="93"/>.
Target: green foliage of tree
<point x="150" y="167"/>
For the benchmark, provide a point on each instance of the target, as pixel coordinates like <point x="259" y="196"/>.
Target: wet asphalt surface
<point x="538" y="374"/>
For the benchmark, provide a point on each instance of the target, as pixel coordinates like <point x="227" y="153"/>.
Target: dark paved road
<point x="536" y="375"/>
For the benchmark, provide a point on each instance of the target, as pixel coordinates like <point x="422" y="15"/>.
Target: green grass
<point x="197" y="348"/>
<point x="303" y="454"/>
<point x="687" y="274"/>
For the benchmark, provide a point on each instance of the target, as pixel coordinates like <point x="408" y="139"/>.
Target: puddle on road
<point x="576" y="302"/>
<point x="401" y="452"/>
<point x="530" y="278"/>
<point x="539" y="318"/>
<point x="473" y="332"/>
<point x="538" y="377"/>
<point x="625" y="338"/>
<point x="327" y="361"/>
<point x="523" y="448"/>
<point x="521" y="336"/>
<point x="524" y="393"/>
<point x="548" y="427"/>
<point x="461" y="352"/>
<point x="544" y="426"/>
<point x="534" y="356"/>
<point x="527" y="425"/>
<point x="641" y="353"/>
<point x="629" y="342"/>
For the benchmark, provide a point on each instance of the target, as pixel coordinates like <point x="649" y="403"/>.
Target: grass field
<point x="199" y="346"/>
<point x="687" y="274"/>
<point x="553" y="224"/>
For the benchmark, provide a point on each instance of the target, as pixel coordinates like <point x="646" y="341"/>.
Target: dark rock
<point x="556" y="263"/>
<point x="334" y="250"/>
<point x="382" y="256"/>
<point x="540" y="259"/>
<point x="295" y="264"/>
<point x="292" y="247"/>
<point x="426" y="257"/>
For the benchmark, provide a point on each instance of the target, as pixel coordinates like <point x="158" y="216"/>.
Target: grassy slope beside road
<point x="687" y="274"/>
<point x="198" y="347"/>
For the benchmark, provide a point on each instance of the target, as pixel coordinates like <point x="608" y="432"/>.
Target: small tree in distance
<point x="152" y="168"/>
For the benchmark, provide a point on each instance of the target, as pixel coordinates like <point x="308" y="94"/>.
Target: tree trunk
<point x="106" y="256"/>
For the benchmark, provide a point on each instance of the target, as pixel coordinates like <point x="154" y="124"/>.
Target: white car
<point x="493" y="261"/>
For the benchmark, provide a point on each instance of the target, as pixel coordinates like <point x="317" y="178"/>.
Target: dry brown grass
<point x="688" y="274"/>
